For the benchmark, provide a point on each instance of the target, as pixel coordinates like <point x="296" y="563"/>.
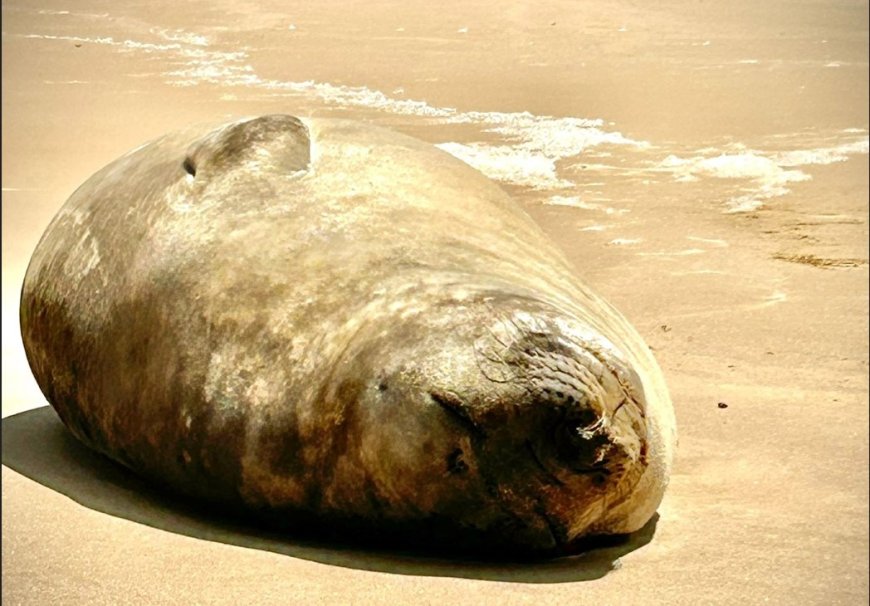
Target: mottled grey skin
<point x="323" y="319"/>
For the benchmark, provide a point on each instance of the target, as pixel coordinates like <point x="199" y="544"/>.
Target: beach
<point x="703" y="165"/>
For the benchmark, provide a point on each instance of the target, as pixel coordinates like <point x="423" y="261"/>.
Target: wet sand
<point x="705" y="167"/>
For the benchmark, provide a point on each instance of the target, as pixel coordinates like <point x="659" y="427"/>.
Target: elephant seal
<point x="322" y="320"/>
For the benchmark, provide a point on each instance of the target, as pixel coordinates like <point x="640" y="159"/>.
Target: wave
<point x="768" y="173"/>
<point x="533" y="151"/>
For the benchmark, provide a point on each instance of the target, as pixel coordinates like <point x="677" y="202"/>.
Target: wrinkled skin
<point x="326" y="320"/>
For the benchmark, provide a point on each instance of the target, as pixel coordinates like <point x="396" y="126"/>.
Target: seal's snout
<point x="592" y="433"/>
<point x="534" y="426"/>
<point x="557" y="417"/>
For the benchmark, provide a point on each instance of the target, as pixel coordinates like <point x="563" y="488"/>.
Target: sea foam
<point x="530" y="150"/>
<point x="767" y="174"/>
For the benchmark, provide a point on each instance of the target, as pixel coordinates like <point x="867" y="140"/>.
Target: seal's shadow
<point x="36" y="445"/>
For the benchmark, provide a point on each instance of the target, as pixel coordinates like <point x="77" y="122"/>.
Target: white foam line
<point x="769" y="173"/>
<point x="68" y="13"/>
<point x="774" y="299"/>
<point x="178" y="35"/>
<point x="576" y="202"/>
<point x="699" y="272"/>
<point x="506" y="163"/>
<point x="535" y="143"/>
<point x="719" y="243"/>
<point x="823" y="155"/>
<point x="680" y="253"/>
<point x="110" y="41"/>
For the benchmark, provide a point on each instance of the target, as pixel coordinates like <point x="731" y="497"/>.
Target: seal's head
<point x="501" y="413"/>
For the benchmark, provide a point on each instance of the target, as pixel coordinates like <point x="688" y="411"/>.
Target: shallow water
<point x="257" y="56"/>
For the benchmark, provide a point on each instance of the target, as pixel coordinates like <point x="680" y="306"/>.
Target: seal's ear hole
<point x="188" y="166"/>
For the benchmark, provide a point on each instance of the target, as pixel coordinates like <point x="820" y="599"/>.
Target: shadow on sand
<point x="36" y="445"/>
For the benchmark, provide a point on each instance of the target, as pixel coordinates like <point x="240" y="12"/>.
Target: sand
<point x="719" y="198"/>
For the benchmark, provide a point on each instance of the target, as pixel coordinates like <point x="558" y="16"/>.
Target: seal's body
<point x="331" y="320"/>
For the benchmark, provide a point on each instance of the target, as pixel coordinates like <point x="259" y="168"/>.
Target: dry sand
<point x="728" y="222"/>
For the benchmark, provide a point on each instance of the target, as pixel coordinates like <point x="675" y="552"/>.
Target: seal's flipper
<point x="278" y="142"/>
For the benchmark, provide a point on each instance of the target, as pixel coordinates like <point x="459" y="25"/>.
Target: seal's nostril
<point x="579" y="442"/>
<point x="455" y="464"/>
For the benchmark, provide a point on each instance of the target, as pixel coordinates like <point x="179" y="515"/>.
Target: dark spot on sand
<point x="722" y="405"/>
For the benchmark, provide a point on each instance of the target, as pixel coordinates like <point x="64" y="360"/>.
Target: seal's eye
<point x="188" y="166"/>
